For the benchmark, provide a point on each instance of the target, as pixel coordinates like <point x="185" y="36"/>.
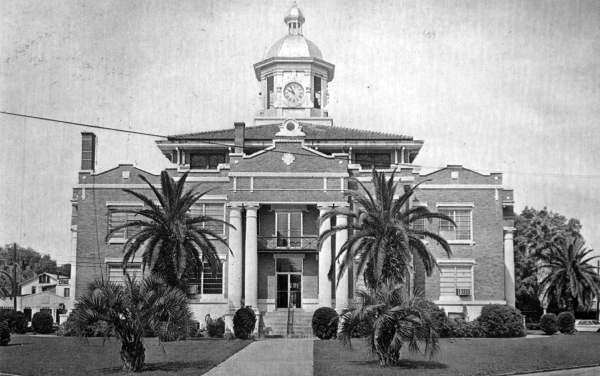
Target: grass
<point x="36" y="355"/>
<point x="467" y="356"/>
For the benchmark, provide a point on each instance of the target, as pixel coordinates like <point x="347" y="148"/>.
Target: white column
<point x="234" y="281"/>
<point x="341" y="290"/>
<point x="324" y="262"/>
<point x="509" y="266"/>
<point x="251" y="267"/>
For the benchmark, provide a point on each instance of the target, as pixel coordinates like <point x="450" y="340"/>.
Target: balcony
<point x="291" y="243"/>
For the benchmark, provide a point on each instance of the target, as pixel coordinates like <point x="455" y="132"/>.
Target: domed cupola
<point x="294" y="44"/>
<point x="294" y="75"/>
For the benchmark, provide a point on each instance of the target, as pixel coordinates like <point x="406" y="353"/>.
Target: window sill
<point x="208" y="299"/>
<point x="461" y="242"/>
<point x="116" y="241"/>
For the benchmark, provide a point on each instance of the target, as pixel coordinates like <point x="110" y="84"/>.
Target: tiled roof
<point x="312" y="131"/>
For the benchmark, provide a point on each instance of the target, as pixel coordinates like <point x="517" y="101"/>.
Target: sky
<point x="510" y="86"/>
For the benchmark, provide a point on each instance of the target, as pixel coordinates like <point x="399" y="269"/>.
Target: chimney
<point x="88" y="151"/>
<point x="238" y="139"/>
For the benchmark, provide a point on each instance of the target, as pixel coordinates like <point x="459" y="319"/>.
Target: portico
<point x="275" y="262"/>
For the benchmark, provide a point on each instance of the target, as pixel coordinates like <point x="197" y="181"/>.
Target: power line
<point x="233" y="145"/>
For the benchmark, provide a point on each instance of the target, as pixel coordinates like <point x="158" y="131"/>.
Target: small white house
<point x="45" y="292"/>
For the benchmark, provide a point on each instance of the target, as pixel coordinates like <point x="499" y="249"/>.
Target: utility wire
<point x="233" y="145"/>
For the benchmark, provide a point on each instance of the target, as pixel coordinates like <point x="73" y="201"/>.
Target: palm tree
<point x="572" y="279"/>
<point x="171" y="240"/>
<point x="390" y="318"/>
<point x="381" y="230"/>
<point x="129" y="309"/>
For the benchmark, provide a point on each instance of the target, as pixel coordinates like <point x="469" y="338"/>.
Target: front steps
<point x="277" y="324"/>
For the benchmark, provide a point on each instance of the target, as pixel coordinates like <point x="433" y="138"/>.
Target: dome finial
<point x="294" y="19"/>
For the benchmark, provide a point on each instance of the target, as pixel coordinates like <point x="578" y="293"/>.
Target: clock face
<point x="293" y="92"/>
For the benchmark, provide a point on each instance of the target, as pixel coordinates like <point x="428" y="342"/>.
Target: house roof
<point x="312" y="131"/>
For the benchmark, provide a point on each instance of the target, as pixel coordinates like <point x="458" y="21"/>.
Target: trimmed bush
<point x="549" y="323"/>
<point x="566" y="322"/>
<point x="42" y="323"/>
<point x="498" y="320"/>
<point x="244" y="321"/>
<point x="4" y="333"/>
<point x="325" y="322"/>
<point x="458" y="328"/>
<point x="16" y="321"/>
<point x="215" y="328"/>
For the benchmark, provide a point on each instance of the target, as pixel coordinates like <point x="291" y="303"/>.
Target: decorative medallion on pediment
<point x="288" y="158"/>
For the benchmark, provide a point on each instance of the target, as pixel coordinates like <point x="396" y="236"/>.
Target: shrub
<point x="4" y="333"/>
<point x="459" y="328"/>
<point x="16" y="321"/>
<point x="498" y="320"/>
<point x="533" y="326"/>
<point x="548" y="323"/>
<point x="244" y="321"/>
<point x="215" y="328"/>
<point x="439" y="319"/>
<point x="42" y="323"/>
<point x="325" y="322"/>
<point x="566" y="322"/>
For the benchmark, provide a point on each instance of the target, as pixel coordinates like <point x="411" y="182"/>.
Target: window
<point x="463" y="220"/>
<point x="205" y="281"/>
<point x="317" y="92"/>
<point x="207" y="160"/>
<point x="118" y="275"/>
<point x="369" y="161"/>
<point x="67" y="292"/>
<point x="288" y="226"/>
<point x="213" y="210"/>
<point x="33" y="289"/>
<point x="117" y="218"/>
<point x="419" y="224"/>
<point x="44" y="278"/>
<point x="456" y="280"/>
<point x="270" y="93"/>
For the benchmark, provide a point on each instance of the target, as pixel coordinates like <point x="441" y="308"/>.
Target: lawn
<point x="36" y="355"/>
<point x="467" y="356"/>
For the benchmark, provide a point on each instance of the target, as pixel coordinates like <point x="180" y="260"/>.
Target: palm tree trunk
<point x="133" y="355"/>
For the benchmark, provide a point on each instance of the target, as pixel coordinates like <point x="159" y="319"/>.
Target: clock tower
<point x="294" y="78"/>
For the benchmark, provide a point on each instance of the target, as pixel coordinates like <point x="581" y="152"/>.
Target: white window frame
<point x="202" y="204"/>
<point x="112" y="262"/>
<point x="114" y="204"/>
<point x="289" y="229"/>
<point x="443" y="263"/>
<point x="459" y="206"/>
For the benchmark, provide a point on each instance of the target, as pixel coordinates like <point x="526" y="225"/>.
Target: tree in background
<point x="572" y="281"/>
<point x="536" y="232"/>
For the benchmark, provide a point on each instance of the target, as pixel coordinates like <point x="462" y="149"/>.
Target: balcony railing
<point x="288" y="242"/>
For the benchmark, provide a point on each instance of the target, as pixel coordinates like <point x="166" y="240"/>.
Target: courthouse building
<point x="274" y="178"/>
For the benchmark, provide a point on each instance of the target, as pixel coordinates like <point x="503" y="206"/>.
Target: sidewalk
<point x="584" y="371"/>
<point x="292" y="357"/>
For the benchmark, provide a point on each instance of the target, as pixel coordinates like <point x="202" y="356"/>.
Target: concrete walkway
<point x="584" y="371"/>
<point x="292" y="357"/>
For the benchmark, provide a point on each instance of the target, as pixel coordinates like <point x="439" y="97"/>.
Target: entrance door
<point x="289" y="282"/>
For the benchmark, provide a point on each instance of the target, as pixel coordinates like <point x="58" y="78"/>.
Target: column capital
<point x="325" y="205"/>
<point x="251" y="205"/>
<point x="235" y="204"/>
<point x="341" y="204"/>
<point x="508" y="229"/>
